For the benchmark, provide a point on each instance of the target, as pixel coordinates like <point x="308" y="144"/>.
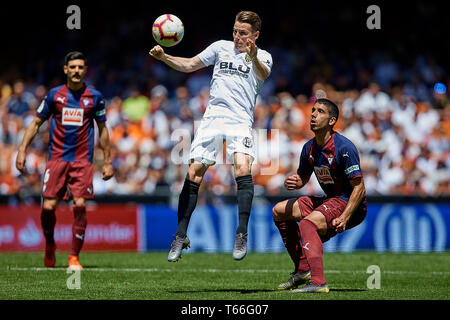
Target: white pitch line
<point x="221" y="270"/>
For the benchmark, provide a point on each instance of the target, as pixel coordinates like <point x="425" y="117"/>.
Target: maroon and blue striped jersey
<point x="334" y="164"/>
<point x="72" y="115"/>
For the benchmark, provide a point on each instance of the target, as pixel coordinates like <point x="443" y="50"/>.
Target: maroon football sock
<point x="78" y="229"/>
<point x="313" y="249"/>
<point x="291" y="238"/>
<point x="48" y="221"/>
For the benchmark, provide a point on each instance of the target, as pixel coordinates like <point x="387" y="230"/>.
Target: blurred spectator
<point x="20" y="101"/>
<point x="136" y="107"/>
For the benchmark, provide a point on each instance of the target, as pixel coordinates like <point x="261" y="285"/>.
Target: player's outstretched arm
<point x="28" y="137"/>
<point x="353" y="202"/>
<point x="178" y="63"/>
<point x="107" y="170"/>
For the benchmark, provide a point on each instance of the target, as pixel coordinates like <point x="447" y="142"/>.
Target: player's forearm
<point x="30" y="133"/>
<point x="104" y="144"/>
<point x="354" y="201"/>
<point x="260" y="70"/>
<point x="180" y="64"/>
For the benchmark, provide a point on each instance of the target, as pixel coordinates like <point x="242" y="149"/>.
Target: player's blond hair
<point x="251" y="18"/>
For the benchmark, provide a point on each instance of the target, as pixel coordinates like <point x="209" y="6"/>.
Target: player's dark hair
<point x="333" y="109"/>
<point x="74" y="55"/>
<point x="251" y="18"/>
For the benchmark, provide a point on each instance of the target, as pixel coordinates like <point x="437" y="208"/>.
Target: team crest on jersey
<point x="330" y="160"/>
<point x="323" y="175"/>
<point x="86" y="102"/>
<point x="247" y="142"/>
<point x="72" y="116"/>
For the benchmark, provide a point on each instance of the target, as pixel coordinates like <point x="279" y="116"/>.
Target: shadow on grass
<point x="244" y="291"/>
<point x="347" y="290"/>
<point x="247" y="291"/>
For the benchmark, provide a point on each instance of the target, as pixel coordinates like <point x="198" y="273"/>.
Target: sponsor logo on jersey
<point x="323" y="175"/>
<point x="351" y="169"/>
<point x="72" y="116"/>
<point x="100" y="113"/>
<point x="229" y="68"/>
<point x="61" y="99"/>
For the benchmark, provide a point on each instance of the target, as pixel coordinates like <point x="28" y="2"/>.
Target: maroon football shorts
<point x="60" y="175"/>
<point x="331" y="208"/>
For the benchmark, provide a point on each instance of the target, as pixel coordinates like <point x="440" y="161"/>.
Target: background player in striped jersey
<point x="240" y="69"/>
<point x="71" y="109"/>
<point x="335" y="162"/>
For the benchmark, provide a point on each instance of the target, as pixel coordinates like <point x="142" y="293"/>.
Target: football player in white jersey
<point x="240" y="69"/>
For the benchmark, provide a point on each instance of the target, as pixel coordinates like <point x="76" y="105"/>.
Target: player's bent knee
<point x="286" y="210"/>
<point x="275" y="213"/>
<point x="319" y="220"/>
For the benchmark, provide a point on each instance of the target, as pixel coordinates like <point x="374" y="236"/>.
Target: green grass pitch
<point x="203" y="276"/>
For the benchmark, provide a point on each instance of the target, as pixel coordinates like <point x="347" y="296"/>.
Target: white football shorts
<point x="209" y="141"/>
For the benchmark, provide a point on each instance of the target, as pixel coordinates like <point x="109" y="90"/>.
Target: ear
<point x="66" y="69"/>
<point x="332" y="121"/>
<point x="256" y="35"/>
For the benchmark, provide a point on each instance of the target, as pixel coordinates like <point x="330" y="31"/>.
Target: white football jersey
<point x="234" y="85"/>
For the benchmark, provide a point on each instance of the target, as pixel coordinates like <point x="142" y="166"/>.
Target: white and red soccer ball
<point x="168" y="30"/>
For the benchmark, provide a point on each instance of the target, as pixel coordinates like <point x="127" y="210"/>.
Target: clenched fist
<point x="157" y="52"/>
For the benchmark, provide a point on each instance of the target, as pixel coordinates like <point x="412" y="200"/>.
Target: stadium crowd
<point x="399" y="118"/>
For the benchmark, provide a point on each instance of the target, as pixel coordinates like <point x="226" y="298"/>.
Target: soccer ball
<point x="168" y="30"/>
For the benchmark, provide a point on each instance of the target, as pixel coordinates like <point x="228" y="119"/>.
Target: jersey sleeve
<point x="304" y="167"/>
<point x="350" y="161"/>
<point x="208" y="56"/>
<point x="46" y="108"/>
<point x="266" y="59"/>
<point x="100" y="109"/>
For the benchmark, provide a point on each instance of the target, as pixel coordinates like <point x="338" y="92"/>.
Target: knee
<point x="277" y="213"/>
<point x="242" y="170"/>
<point x="195" y="175"/>
<point x="79" y="202"/>
<point x="49" y="205"/>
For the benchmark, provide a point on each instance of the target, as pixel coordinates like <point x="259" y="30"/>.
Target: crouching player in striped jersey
<point x="71" y="109"/>
<point x="335" y="162"/>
